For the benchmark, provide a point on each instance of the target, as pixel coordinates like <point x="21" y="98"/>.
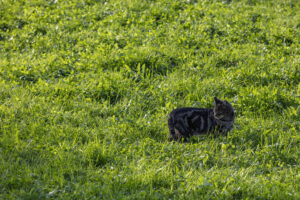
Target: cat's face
<point x="223" y="110"/>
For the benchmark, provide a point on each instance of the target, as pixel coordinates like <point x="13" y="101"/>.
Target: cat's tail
<point x="172" y="135"/>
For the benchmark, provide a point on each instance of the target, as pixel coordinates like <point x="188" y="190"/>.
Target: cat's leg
<point x="178" y="135"/>
<point x="225" y="133"/>
<point x="184" y="140"/>
<point x="181" y="133"/>
<point x="216" y="132"/>
<point x="220" y="132"/>
<point x="170" y="138"/>
<point x="172" y="134"/>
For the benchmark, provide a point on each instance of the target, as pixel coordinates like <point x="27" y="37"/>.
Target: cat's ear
<point x="217" y="100"/>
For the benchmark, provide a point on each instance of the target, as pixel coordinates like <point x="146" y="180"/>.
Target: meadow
<point x="86" y="87"/>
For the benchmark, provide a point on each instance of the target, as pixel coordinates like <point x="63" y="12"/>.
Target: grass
<point x="86" y="87"/>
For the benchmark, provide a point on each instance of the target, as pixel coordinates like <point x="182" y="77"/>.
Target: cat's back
<point x="189" y="111"/>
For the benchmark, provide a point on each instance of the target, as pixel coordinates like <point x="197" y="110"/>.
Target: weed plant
<point x="86" y="87"/>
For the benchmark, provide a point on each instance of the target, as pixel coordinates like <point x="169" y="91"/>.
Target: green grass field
<point x="86" y="87"/>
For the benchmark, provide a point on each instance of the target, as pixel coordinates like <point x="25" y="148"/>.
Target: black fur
<point x="186" y="122"/>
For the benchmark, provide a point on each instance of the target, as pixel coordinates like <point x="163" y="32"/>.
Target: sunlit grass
<point x="86" y="87"/>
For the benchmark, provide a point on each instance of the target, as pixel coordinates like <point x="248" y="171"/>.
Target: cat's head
<point x="223" y="110"/>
